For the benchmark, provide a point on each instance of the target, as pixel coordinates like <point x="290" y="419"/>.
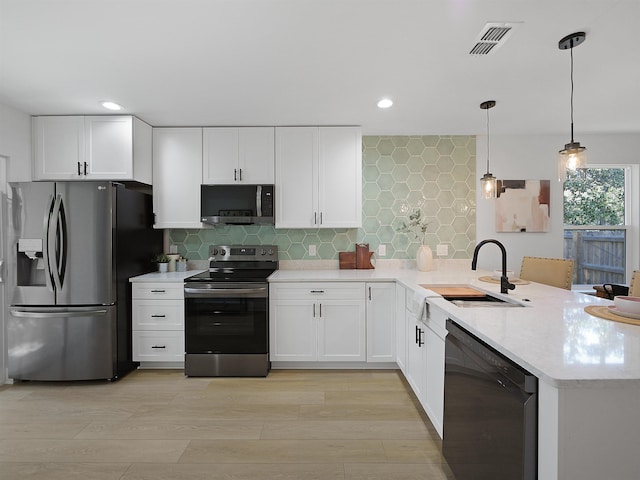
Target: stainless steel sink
<point x="485" y="301"/>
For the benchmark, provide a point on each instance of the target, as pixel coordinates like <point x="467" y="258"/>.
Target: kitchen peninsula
<point x="588" y="368"/>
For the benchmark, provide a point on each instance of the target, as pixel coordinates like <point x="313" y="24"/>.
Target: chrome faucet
<point x="505" y="285"/>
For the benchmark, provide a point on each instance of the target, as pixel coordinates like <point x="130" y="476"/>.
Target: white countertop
<point x="552" y="336"/>
<point x="164" y="277"/>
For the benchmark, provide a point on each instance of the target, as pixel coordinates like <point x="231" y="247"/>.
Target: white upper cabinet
<point x="177" y="175"/>
<point x="238" y="155"/>
<point x="340" y="177"/>
<point x="296" y="187"/>
<point x="318" y="177"/>
<point x="113" y="147"/>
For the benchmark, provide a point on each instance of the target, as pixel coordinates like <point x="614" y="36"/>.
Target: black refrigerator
<point x="72" y="248"/>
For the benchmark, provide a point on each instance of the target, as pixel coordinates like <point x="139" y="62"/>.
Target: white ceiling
<point x="325" y="62"/>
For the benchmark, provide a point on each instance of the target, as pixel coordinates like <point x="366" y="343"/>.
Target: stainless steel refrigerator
<point x="73" y="247"/>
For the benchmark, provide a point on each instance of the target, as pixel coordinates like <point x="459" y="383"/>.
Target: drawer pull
<point x="158" y="291"/>
<point x="158" y="346"/>
<point x="317" y="291"/>
<point x="158" y="316"/>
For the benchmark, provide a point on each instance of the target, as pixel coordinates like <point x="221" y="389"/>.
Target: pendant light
<point x="488" y="182"/>
<point x="573" y="155"/>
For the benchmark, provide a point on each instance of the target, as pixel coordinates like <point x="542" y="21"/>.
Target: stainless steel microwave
<point x="237" y="204"/>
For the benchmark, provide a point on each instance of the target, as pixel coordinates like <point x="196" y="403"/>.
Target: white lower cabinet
<point x="423" y="364"/>
<point x="158" y="322"/>
<point x="434" y="338"/>
<point x="401" y="328"/>
<point x="381" y="306"/>
<point x="416" y="357"/>
<point x="317" y="322"/>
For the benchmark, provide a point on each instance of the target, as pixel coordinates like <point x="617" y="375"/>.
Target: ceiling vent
<point x="492" y="37"/>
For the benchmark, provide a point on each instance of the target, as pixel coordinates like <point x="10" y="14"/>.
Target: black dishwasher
<point x="490" y="412"/>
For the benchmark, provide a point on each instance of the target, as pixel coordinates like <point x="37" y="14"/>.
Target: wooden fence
<point x="599" y="255"/>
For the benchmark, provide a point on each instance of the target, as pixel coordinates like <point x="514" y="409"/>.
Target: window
<point x="596" y="206"/>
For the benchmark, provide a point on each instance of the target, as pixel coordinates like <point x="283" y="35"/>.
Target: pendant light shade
<point x="573" y="155"/>
<point x="488" y="183"/>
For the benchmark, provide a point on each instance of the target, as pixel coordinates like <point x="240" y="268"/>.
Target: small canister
<point x="172" y="261"/>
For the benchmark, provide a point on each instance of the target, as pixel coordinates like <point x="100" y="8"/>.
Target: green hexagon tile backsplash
<point x="400" y="174"/>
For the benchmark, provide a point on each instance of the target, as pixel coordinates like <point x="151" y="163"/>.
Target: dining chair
<point x="634" y="285"/>
<point x="556" y="272"/>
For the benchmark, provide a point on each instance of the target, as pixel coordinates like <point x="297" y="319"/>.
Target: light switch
<point x="312" y="250"/>
<point x="442" y="250"/>
<point x="382" y="250"/>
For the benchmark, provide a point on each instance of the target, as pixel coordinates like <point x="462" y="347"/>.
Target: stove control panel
<point x="247" y="253"/>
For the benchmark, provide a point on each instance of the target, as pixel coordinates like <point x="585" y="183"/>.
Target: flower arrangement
<point x="417" y="226"/>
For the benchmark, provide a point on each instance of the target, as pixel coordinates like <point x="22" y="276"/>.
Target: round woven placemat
<point x="604" y="312"/>
<point x="515" y="281"/>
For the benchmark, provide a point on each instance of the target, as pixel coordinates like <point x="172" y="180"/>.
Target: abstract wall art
<point x="523" y="206"/>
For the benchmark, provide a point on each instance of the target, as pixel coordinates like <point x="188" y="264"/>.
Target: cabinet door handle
<point x="85" y="168"/>
<point x="369" y="293"/>
<point x="314" y="310"/>
<point x="320" y="218"/>
<point x="315" y="218"/>
<point x="158" y="346"/>
<point x="158" y="316"/>
<point x="417" y="334"/>
<point x="158" y="291"/>
<point x="235" y="174"/>
<point x="320" y="310"/>
<point x="240" y="174"/>
<point x="79" y="172"/>
<point x="420" y="341"/>
<point x="426" y="310"/>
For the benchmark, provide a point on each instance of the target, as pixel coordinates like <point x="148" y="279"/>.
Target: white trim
<point x="596" y="227"/>
<point x="3" y="270"/>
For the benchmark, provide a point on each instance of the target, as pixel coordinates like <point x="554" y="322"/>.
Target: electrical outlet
<point x="312" y="250"/>
<point x="382" y="250"/>
<point x="442" y="250"/>
<point x="173" y="249"/>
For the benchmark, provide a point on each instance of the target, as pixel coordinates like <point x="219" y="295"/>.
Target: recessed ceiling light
<point x="111" y="106"/>
<point x="385" y="103"/>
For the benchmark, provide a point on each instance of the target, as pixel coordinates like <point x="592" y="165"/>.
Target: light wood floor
<point x="158" y="424"/>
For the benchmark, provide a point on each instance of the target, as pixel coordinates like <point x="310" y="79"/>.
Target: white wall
<point x="535" y="157"/>
<point x="15" y="143"/>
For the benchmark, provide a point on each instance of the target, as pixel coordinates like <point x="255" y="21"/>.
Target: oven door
<point x="226" y="318"/>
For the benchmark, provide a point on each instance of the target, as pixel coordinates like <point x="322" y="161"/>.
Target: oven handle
<point x="226" y="292"/>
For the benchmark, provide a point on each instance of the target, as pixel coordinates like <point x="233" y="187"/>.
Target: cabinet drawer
<point x="158" y="346"/>
<point x="158" y="290"/>
<point x="158" y="314"/>
<point x="318" y="291"/>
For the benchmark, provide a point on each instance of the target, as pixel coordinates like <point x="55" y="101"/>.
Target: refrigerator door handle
<point x="57" y="242"/>
<point x="48" y="236"/>
<point x="56" y="313"/>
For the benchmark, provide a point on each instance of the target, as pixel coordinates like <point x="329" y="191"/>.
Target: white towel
<point x="419" y="304"/>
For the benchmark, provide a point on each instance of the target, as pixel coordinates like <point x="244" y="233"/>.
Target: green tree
<point x="594" y="196"/>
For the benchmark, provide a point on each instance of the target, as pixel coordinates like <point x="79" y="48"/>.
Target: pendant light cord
<point x="488" y="140"/>
<point x="571" y="52"/>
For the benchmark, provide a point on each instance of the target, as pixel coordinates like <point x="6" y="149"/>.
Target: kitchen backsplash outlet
<point x="400" y="174"/>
